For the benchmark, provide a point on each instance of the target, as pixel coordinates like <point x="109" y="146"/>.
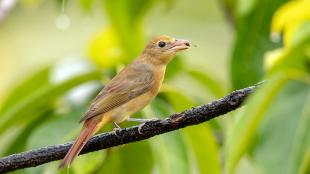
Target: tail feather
<point x="89" y="129"/>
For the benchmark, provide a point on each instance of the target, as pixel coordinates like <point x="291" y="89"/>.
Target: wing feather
<point x="130" y="83"/>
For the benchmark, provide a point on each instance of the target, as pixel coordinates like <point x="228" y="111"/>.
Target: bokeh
<point x="56" y="55"/>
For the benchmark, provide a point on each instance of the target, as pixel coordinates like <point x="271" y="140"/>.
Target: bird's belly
<point x="126" y="110"/>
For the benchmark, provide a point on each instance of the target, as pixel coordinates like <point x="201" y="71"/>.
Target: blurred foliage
<point x="275" y="124"/>
<point x="272" y="131"/>
<point x="253" y="19"/>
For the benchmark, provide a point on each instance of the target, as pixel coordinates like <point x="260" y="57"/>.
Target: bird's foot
<point x="140" y="127"/>
<point x="116" y="129"/>
<point x="143" y="121"/>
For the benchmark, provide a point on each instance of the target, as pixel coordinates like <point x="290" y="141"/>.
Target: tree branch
<point x="144" y="131"/>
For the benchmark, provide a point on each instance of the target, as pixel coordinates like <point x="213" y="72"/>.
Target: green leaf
<point x="301" y="141"/>
<point x="19" y="142"/>
<point x="86" y="4"/>
<point x="169" y="150"/>
<point x="126" y="17"/>
<point x="305" y="165"/>
<point x="208" y="82"/>
<point x="285" y="131"/>
<point x="133" y="158"/>
<point x="204" y="147"/>
<point x="83" y="165"/>
<point x="46" y="134"/>
<point x="170" y="153"/>
<point x="174" y="68"/>
<point x="23" y="110"/>
<point x="245" y="129"/>
<point x="199" y="137"/>
<point x="251" y="43"/>
<point x="294" y="57"/>
<point x="177" y="99"/>
<point x="24" y="89"/>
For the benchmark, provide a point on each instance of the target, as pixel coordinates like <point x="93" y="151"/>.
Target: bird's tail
<point x="89" y="129"/>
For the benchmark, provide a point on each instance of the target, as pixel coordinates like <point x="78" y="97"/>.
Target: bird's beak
<point x="180" y="44"/>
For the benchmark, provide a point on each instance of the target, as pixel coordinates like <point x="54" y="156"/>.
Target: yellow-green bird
<point x="129" y="91"/>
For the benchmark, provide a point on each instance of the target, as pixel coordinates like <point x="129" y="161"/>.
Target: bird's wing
<point x="131" y="82"/>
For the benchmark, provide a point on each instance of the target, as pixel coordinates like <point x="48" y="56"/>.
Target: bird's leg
<point x="117" y="128"/>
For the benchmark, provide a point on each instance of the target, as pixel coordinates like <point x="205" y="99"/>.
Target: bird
<point x="134" y="87"/>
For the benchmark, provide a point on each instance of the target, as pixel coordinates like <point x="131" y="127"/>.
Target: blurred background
<point x="56" y="55"/>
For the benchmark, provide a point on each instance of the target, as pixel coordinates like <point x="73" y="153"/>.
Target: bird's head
<point x="162" y="49"/>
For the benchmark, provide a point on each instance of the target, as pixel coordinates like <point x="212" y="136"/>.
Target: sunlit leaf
<point x="105" y="49"/>
<point x="293" y="57"/>
<point x="289" y="17"/>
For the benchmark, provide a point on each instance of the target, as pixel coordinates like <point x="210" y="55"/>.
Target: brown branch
<point x="144" y="131"/>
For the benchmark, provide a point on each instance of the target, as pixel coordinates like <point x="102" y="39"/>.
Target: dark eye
<point x="161" y="44"/>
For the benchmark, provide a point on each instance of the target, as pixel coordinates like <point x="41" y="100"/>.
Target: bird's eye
<point x="161" y="44"/>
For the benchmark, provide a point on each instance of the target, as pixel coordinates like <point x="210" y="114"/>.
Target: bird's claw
<point x="116" y="130"/>
<point x="140" y="127"/>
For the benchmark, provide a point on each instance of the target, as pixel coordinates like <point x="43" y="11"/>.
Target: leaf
<point x="208" y="82"/>
<point x="289" y="17"/>
<point x="56" y="131"/>
<point x="305" y="165"/>
<point x="19" y="142"/>
<point x="284" y="133"/>
<point x="170" y="153"/>
<point x="251" y="43"/>
<point x="126" y="17"/>
<point x="23" y="110"/>
<point x="105" y="49"/>
<point x="302" y="138"/>
<point x="169" y="150"/>
<point x="174" y="68"/>
<point x="292" y="57"/>
<point x="86" y="4"/>
<point x="177" y="99"/>
<point x="83" y="165"/>
<point x="205" y="148"/>
<point x="25" y="88"/>
<point x="199" y="137"/>
<point x="46" y="134"/>
<point x="133" y="158"/>
<point x="244" y="130"/>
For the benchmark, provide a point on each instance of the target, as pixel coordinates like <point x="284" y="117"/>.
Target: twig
<point x="144" y="131"/>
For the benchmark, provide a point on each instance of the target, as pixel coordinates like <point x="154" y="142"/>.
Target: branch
<point x="144" y="131"/>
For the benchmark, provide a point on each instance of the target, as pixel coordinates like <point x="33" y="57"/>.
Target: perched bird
<point x="129" y="91"/>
